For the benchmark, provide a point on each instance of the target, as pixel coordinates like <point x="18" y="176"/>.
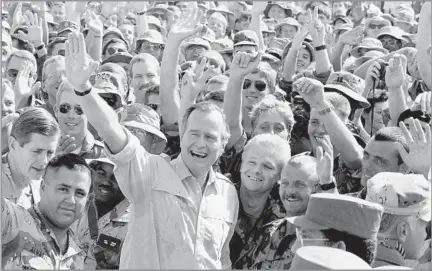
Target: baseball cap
<point x="101" y="160"/>
<point x="222" y="9"/>
<point x="391" y="31"/>
<point x="288" y="21"/>
<point x="349" y="85"/>
<point x="121" y="57"/>
<point x="368" y="43"/>
<point x="223" y="46"/>
<point x="152" y="36"/>
<point x="368" y="56"/>
<point x="246" y="37"/>
<point x="109" y="83"/>
<point x="67" y="26"/>
<point x="115" y="31"/>
<point x="377" y="20"/>
<point x="152" y="20"/>
<point x="326" y="258"/>
<point x="143" y="117"/>
<point x="49" y="19"/>
<point x="344" y="19"/>
<point x="160" y="7"/>
<point x="196" y="41"/>
<point x="344" y="213"/>
<point x="290" y="9"/>
<point x="401" y="194"/>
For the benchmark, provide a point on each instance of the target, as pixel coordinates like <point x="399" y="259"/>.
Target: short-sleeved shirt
<point x="185" y="227"/>
<point x="272" y="247"/>
<point x="27" y="242"/>
<point x="18" y="191"/>
<point x="111" y="227"/>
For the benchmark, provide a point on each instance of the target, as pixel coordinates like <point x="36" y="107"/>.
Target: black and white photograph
<point x="261" y="135"/>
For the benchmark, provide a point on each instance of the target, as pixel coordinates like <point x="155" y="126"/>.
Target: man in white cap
<point x="407" y="210"/>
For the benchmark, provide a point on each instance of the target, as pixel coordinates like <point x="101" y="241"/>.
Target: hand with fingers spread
<point x="79" y="65"/>
<point x="396" y="71"/>
<point x="352" y="37"/>
<point x="35" y="33"/>
<point x="424" y="102"/>
<point x="325" y="162"/>
<point x="18" y="18"/>
<point x="312" y="92"/>
<point x="316" y="28"/>
<point x="22" y="87"/>
<point x="244" y="63"/>
<point x="194" y="81"/>
<point x="372" y="76"/>
<point x="299" y="37"/>
<point x="95" y="24"/>
<point x="66" y="145"/>
<point x="418" y="158"/>
<point x="187" y="26"/>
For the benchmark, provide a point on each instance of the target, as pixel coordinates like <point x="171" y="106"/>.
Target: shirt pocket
<point x="174" y="234"/>
<point x="217" y="227"/>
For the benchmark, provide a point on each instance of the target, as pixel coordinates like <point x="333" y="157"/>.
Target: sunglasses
<point x="151" y="46"/>
<point x="259" y="85"/>
<point x="111" y="100"/>
<point x="61" y="52"/>
<point x="112" y="51"/>
<point x="65" y="108"/>
<point x="12" y="73"/>
<point x="375" y="26"/>
<point x="391" y="42"/>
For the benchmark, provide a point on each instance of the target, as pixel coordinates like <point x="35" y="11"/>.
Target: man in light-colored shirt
<point x="183" y="214"/>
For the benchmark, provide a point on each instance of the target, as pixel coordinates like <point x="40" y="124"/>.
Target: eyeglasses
<point x="65" y="108"/>
<point x="111" y="100"/>
<point x="308" y="241"/>
<point x="375" y="26"/>
<point x="259" y="85"/>
<point x="390" y="42"/>
<point x="196" y="50"/>
<point x="151" y="46"/>
<point x="112" y="50"/>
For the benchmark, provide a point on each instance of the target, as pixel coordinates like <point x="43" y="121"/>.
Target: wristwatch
<point x="328" y="186"/>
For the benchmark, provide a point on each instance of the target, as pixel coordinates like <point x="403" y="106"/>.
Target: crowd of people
<point x="216" y="135"/>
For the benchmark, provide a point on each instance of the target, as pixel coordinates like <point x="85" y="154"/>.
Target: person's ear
<point x="340" y="245"/>
<point x="403" y="230"/>
<point x="13" y="143"/>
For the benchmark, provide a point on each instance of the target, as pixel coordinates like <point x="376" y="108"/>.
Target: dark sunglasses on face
<point x="375" y="26"/>
<point x="112" y="51"/>
<point x="259" y="85"/>
<point x="61" y="52"/>
<point x="112" y="101"/>
<point x="65" y="108"/>
<point x="12" y="73"/>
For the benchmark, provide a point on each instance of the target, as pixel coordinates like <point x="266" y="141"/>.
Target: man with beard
<point x="32" y="144"/>
<point x="105" y="220"/>
<point x="40" y="237"/>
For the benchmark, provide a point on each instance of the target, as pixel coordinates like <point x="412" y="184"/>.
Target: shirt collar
<point x="391" y="256"/>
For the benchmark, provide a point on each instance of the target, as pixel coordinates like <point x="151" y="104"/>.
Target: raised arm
<point x="242" y="64"/>
<point x="96" y="31"/>
<point x="351" y="37"/>
<point x="255" y="25"/>
<point x="318" y="32"/>
<point x="313" y="93"/>
<point x="169" y="95"/>
<point x="424" y="44"/>
<point x="290" y="62"/>
<point x="140" y="8"/>
<point x="79" y="67"/>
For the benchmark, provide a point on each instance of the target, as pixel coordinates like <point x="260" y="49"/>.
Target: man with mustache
<point x="32" y="144"/>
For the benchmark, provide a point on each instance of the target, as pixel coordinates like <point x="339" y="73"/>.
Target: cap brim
<point x="150" y="40"/>
<point x="119" y="58"/>
<point x="145" y="127"/>
<point x="356" y="51"/>
<point x="304" y="223"/>
<point x="245" y="43"/>
<point x="103" y="160"/>
<point x="348" y="93"/>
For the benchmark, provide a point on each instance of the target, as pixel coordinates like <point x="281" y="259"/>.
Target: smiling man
<point x="40" y="237"/>
<point x="182" y="209"/>
<point x="32" y="144"/>
<point x="105" y="220"/>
